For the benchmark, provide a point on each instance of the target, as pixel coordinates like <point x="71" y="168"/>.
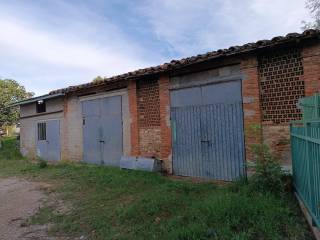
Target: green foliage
<point x="10" y="130"/>
<point x="11" y="161"/>
<point x="10" y="91"/>
<point x="42" y="163"/>
<point x="98" y="79"/>
<point x="268" y="176"/>
<point x="254" y="130"/>
<point x="109" y="203"/>
<point x="9" y="150"/>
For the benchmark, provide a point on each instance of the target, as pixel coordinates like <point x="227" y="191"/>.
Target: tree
<point x="98" y="79"/>
<point x="11" y="91"/>
<point x="314" y="8"/>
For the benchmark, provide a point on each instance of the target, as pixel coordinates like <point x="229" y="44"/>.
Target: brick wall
<point x="148" y="103"/>
<point x="311" y="63"/>
<point x="150" y="141"/>
<point x="133" y="108"/>
<point x="148" y="108"/>
<point x="278" y="138"/>
<point x="251" y="103"/>
<point x="165" y="123"/>
<point x="281" y="86"/>
<point x="150" y="119"/>
<point x="71" y="134"/>
<point x="272" y="84"/>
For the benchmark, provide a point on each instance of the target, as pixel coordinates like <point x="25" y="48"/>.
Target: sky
<point x="51" y="44"/>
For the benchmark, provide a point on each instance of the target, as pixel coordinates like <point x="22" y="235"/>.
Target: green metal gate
<point x="305" y="147"/>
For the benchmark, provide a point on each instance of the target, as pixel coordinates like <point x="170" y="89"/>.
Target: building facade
<point x="200" y="115"/>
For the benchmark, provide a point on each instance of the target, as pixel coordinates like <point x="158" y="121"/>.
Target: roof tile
<point x="174" y="64"/>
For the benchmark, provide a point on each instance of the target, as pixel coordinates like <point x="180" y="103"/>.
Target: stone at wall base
<point x="140" y="163"/>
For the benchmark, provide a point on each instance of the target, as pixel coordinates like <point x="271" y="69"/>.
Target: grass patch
<point x="109" y="203"/>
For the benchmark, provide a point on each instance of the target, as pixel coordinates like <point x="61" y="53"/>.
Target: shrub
<point x="268" y="176"/>
<point x="42" y="163"/>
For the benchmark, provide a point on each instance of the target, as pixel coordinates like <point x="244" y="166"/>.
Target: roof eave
<point x="35" y="99"/>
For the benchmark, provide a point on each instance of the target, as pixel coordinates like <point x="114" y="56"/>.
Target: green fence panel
<point x="310" y="107"/>
<point x="305" y="149"/>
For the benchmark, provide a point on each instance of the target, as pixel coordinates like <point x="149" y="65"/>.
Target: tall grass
<point x="109" y="203"/>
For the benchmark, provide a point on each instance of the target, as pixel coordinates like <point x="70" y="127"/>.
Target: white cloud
<point x="53" y="44"/>
<point x="202" y="25"/>
<point x="64" y="56"/>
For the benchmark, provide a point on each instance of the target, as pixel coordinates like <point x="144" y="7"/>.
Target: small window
<point x="42" y="134"/>
<point x="41" y="106"/>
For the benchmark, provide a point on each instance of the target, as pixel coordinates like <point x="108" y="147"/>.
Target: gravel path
<point x="19" y="200"/>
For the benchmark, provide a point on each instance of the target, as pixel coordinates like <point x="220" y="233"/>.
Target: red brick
<point x="132" y="95"/>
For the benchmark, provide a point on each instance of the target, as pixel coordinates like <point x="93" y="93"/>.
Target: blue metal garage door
<point x="102" y="130"/>
<point x="207" y="125"/>
<point x="48" y="140"/>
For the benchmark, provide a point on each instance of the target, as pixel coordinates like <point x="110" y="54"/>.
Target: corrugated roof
<point x="176" y="64"/>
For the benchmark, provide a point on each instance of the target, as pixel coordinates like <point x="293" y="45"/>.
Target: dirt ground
<point x="19" y="200"/>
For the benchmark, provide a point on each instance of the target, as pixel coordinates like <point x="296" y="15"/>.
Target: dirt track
<point x="20" y="199"/>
